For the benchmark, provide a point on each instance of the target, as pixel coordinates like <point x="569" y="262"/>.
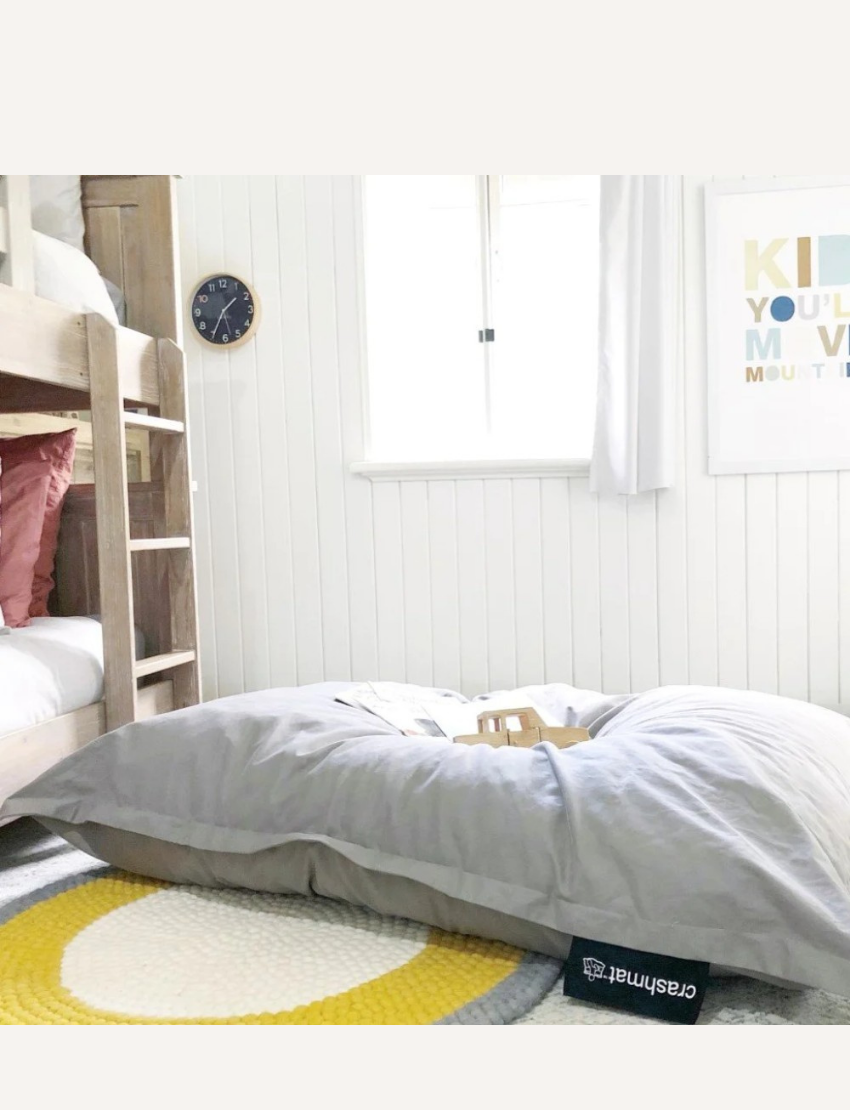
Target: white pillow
<point x="57" y="208"/>
<point x="69" y="277"/>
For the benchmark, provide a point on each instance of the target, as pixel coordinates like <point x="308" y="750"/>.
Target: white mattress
<point x="53" y="666"/>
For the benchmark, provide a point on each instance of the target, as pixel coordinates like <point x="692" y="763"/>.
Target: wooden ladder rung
<point x="160" y="543"/>
<point x="153" y="423"/>
<point x="156" y="663"/>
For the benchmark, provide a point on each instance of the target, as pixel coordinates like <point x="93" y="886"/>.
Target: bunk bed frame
<point x="125" y="551"/>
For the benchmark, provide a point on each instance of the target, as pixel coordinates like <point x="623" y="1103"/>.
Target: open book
<point x="415" y="711"/>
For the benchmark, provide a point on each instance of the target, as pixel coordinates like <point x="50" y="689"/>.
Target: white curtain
<point x="639" y="333"/>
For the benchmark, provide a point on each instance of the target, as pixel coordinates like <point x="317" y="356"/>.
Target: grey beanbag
<point x="697" y="822"/>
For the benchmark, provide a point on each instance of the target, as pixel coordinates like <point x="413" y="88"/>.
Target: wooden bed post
<point x="131" y="235"/>
<point x="113" y="522"/>
<point x="177" y="493"/>
<point x="114" y="543"/>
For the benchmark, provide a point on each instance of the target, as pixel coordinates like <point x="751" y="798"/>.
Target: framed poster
<point x="778" y="325"/>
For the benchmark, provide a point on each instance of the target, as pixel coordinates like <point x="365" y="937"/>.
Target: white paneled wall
<point x="307" y="572"/>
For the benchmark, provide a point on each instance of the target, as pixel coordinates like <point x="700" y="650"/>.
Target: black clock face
<point x="223" y="310"/>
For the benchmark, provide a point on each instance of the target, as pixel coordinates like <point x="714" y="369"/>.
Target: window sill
<point x="471" y="468"/>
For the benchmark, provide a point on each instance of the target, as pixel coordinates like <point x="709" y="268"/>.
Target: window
<point x="481" y="316"/>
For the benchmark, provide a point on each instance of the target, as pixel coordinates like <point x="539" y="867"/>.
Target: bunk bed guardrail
<point x="132" y="380"/>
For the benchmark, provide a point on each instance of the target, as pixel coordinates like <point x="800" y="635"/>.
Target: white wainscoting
<point x="309" y="572"/>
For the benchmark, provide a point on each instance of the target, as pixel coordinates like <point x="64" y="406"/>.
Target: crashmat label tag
<point x="645" y="983"/>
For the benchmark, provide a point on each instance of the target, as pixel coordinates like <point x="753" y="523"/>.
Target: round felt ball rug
<point x="109" y="948"/>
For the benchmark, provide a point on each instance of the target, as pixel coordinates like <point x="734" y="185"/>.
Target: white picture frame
<point x="778" y="385"/>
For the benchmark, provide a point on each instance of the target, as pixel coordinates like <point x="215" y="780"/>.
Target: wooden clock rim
<point x="257" y="311"/>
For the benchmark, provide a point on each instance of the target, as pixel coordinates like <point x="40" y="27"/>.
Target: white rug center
<point x="190" y="954"/>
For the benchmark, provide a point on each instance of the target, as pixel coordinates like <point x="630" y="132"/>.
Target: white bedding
<point x="53" y="666"/>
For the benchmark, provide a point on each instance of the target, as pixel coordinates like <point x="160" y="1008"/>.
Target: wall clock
<point x="224" y="310"/>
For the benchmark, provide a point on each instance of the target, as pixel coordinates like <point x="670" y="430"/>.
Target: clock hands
<point x="222" y="313"/>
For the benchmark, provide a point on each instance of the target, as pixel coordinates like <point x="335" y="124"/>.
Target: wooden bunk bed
<point x="125" y="550"/>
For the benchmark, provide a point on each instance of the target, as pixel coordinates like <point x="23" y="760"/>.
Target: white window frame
<point x="487" y="186"/>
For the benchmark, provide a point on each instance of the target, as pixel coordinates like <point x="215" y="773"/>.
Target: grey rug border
<point x="58" y="886"/>
<point x="514" y="997"/>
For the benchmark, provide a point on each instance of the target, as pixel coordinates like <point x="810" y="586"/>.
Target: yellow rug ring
<point x="111" y="948"/>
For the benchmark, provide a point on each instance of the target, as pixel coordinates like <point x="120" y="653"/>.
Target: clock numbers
<point x="215" y="310"/>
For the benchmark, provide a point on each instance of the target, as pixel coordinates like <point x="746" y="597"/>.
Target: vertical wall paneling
<point x="416" y="562"/>
<point x="792" y="574"/>
<point x="614" y="593"/>
<point x="389" y="581"/>
<point x="732" y="576"/>
<point x="327" y="430"/>
<point x="556" y="557"/>
<point x="218" y="416"/>
<point x="823" y="588"/>
<point x="701" y="508"/>
<point x="444" y="593"/>
<point x="472" y="587"/>
<point x="732" y="632"/>
<point x="298" y="430"/>
<point x="276" y="532"/>
<point x="671" y="553"/>
<point x="672" y="585"/>
<point x="643" y="592"/>
<point x="671" y="545"/>
<point x="363" y="629"/>
<point x="189" y="237"/>
<point x="528" y="579"/>
<point x="844" y="585"/>
<point x="251" y="583"/>
<point x="501" y="591"/>
<point x="584" y="566"/>
<point x="762" y="657"/>
<point x="307" y="572"/>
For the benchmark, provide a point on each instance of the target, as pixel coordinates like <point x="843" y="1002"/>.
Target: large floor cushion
<point x="697" y="822"/>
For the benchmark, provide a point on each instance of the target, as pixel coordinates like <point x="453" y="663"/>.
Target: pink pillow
<point x="23" y="497"/>
<point x="56" y="449"/>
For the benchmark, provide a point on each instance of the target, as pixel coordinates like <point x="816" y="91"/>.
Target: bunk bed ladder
<point x="114" y="545"/>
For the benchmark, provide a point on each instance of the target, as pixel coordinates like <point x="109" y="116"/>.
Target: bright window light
<point x="481" y="316"/>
